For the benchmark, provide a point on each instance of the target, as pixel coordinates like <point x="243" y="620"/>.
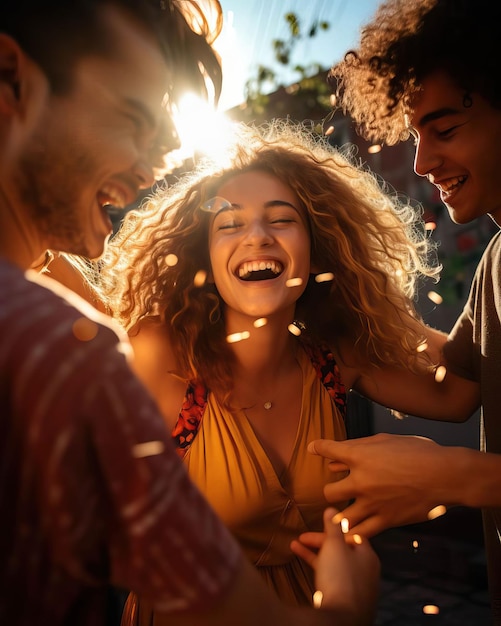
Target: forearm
<point x="477" y="480"/>
<point x="250" y="602"/>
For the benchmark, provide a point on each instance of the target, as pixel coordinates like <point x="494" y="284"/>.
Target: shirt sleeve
<point x="115" y="500"/>
<point x="461" y="352"/>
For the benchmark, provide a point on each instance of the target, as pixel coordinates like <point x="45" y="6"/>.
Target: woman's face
<point x="259" y="245"/>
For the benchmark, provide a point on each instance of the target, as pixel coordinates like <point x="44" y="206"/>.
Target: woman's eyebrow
<point x="270" y="204"/>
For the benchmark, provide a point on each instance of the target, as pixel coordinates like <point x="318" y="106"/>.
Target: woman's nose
<point x="258" y="234"/>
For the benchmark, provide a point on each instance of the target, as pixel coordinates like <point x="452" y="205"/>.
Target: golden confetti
<point x="357" y="539"/>
<point x="345" y="525"/>
<point x="294" y="282"/>
<point x="236" y="337"/>
<point x="440" y="373"/>
<point x="171" y="260"/>
<point x="294" y="330"/>
<point x="430" y="226"/>
<point x="333" y="99"/>
<point x="324" y="278"/>
<point x="149" y="448"/>
<point x="422" y="347"/>
<point x="84" y="329"/>
<point x="374" y="149"/>
<point x="262" y="321"/>
<point x="435" y="297"/>
<point x="200" y="278"/>
<point x="431" y="609"/>
<point x="329" y="131"/>
<point x="318" y="597"/>
<point x="415" y="544"/>
<point x="437" y="511"/>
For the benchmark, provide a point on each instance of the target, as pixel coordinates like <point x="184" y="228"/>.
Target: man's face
<point x="458" y="148"/>
<point x="94" y="145"/>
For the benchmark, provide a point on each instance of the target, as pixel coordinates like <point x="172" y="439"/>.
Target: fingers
<point x="339" y="490"/>
<point x="312" y="539"/>
<point x="304" y="553"/>
<point x="326" y="447"/>
<point x="356" y="522"/>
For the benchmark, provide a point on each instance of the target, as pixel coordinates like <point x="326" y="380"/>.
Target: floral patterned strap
<point x="327" y="370"/>
<point x="190" y="416"/>
<point x="195" y="399"/>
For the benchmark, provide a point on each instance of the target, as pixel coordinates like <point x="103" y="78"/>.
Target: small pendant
<point x="267" y="405"/>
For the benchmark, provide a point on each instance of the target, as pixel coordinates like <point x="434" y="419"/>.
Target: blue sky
<point x="251" y="25"/>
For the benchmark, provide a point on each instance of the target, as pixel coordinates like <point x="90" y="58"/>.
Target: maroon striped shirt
<point x="91" y="490"/>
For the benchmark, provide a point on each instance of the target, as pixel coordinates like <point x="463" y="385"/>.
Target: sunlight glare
<point x="201" y="129"/>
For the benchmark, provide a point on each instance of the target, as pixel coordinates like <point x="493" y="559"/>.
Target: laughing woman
<point x="256" y="292"/>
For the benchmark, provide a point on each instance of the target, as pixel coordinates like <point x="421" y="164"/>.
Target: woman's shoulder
<point x="151" y="336"/>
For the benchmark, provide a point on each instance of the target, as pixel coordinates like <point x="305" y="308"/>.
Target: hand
<point x="347" y="570"/>
<point x="394" y="479"/>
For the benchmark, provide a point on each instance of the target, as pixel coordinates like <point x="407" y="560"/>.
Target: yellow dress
<point x="263" y="510"/>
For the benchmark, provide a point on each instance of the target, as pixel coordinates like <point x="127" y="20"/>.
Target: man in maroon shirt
<point x="91" y="490"/>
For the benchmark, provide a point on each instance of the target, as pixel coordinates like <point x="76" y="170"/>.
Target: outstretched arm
<point x="452" y="399"/>
<point x="398" y="479"/>
<point x="347" y="575"/>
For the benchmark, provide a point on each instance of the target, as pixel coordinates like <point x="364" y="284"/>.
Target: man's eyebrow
<point x="435" y="115"/>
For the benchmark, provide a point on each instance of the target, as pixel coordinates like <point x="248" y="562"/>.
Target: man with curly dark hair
<point x="430" y="69"/>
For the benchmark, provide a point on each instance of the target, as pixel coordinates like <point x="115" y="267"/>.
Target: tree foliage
<point x="309" y="85"/>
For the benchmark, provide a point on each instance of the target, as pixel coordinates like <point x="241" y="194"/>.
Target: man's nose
<point x="426" y="158"/>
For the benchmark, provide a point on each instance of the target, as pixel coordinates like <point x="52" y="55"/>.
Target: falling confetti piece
<point x="345" y="525"/>
<point x="422" y="347"/>
<point x="440" y="373"/>
<point x="171" y="260"/>
<point x="437" y="511"/>
<point x="294" y="282"/>
<point x="294" y="330"/>
<point x="431" y="609"/>
<point x="236" y="337"/>
<point x="262" y="321"/>
<point x="324" y="278"/>
<point x="84" y="329"/>
<point x="149" y="448"/>
<point x="435" y="297"/>
<point x="318" y="597"/>
<point x="200" y="278"/>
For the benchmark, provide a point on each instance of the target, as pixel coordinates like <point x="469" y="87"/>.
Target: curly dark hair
<point x="403" y="44"/>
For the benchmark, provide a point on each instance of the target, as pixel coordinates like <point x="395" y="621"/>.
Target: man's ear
<point x="11" y="68"/>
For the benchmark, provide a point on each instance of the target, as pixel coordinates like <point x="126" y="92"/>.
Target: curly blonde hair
<point x="372" y="241"/>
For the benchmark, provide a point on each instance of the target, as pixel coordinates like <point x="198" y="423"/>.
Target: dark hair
<point x="56" y="33"/>
<point x="402" y="45"/>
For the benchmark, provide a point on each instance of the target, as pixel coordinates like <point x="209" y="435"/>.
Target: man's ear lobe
<point x="11" y="63"/>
